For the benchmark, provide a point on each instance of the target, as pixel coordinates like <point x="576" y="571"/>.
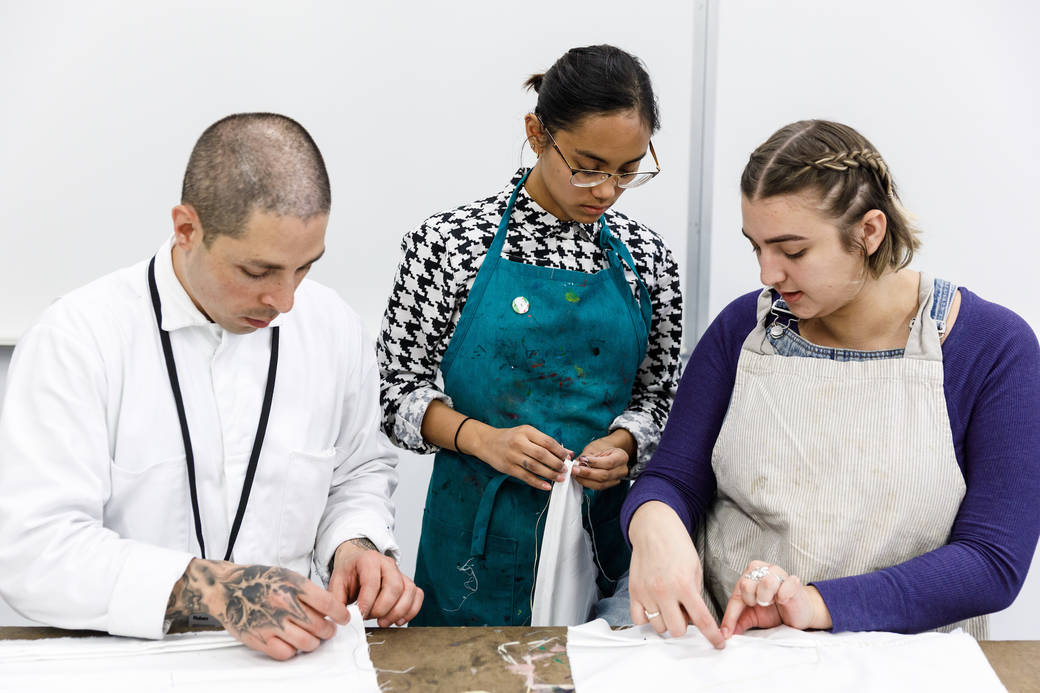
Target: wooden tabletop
<point x="471" y="659"/>
<point x="524" y="659"/>
<point x="1017" y="663"/>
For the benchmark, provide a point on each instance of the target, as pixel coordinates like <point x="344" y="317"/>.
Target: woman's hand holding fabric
<point x="523" y="452"/>
<point x="604" y="462"/>
<point x="765" y="596"/>
<point x="665" y="575"/>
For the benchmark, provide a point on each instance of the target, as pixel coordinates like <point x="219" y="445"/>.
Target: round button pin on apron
<point x="520" y="305"/>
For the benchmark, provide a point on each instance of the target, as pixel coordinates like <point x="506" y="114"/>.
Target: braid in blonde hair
<point x="848" y="175"/>
<point x="866" y="158"/>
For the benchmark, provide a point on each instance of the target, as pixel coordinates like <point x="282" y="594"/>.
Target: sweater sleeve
<point x="680" y="473"/>
<point x="992" y="381"/>
<point x="417" y="326"/>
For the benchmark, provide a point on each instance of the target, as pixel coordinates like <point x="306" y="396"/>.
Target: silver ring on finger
<point x="651" y="614"/>
<point x="525" y="465"/>
<point x="757" y="574"/>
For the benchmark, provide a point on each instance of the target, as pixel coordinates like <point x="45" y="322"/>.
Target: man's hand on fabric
<point x="360" y="572"/>
<point x="270" y="609"/>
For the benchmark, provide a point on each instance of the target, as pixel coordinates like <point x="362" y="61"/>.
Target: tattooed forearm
<point x="244" y="599"/>
<point x="363" y="543"/>
<point x="186" y="597"/>
<point x="360" y="542"/>
<point x="259" y="596"/>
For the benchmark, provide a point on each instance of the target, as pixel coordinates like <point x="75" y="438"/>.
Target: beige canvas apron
<point x="833" y="468"/>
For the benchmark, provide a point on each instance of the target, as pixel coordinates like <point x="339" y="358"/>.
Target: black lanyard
<point x="261" y="429"/>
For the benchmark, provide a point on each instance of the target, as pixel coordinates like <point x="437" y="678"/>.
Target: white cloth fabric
<point x="95" y="514"/>
<point x="565" y="585"/>
<point x="832" y="468"/>
<point x="775" y="660"/>
<point x="208" y="661"/>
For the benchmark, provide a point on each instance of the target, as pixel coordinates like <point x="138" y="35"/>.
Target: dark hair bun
<point x="593" y="80"/>
<point x="534" y="83"/>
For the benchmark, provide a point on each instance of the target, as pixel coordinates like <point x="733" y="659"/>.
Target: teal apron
<point x="555" y="349"/>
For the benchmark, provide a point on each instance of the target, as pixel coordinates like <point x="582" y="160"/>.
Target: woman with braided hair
<point x="851" y="448"/>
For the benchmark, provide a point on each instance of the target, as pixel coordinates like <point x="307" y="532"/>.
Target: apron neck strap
<point x="495" y="250"/>
<point x="616" y="251"/>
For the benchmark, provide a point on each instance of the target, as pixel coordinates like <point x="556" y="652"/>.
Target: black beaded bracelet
<point x="456" y="441"/>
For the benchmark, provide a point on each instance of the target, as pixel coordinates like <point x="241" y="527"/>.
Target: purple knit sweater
<point x="991" y="363"/>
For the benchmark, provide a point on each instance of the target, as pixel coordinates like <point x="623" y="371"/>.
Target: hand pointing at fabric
<point x="665" y="576"/>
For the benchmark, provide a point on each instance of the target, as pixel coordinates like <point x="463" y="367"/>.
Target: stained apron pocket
<point x="305" y="494"/>
<point x="470" y="590"/>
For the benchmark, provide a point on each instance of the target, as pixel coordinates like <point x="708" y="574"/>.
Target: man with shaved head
<point x="192" y="437"/>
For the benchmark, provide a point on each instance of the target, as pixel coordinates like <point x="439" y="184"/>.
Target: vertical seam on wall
<point x="702" y="149"/>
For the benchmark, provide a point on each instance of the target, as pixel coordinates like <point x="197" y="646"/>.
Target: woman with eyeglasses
<point x="555" y="323"/>
<point x="854" y="447"/>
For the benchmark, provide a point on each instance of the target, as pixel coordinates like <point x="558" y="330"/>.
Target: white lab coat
<point x="95" y="515"/>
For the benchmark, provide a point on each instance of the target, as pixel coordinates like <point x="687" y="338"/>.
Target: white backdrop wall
<point x="417" y="107"/>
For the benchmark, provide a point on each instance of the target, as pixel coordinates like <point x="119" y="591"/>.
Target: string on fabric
<point x="534" y="564"/>
<point x="592" y="536"/>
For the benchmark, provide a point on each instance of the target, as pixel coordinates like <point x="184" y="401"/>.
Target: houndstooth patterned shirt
<point x="439" y="264"/>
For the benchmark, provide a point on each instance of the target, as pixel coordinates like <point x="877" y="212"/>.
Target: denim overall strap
<point x="943" y="294"/>
<point x="775" y="334"/>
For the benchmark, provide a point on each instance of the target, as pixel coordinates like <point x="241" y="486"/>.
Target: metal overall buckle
<point x="776" y="328"/>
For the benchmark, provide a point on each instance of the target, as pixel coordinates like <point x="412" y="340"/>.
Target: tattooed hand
<point x="382" y="591"/>
<point x="270" y="609"/>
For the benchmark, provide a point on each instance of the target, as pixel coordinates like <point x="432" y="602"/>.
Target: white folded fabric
<point x="100" y="647"/>
<point x="565" y="586"/>
<point x="775" y="660"/>
<point x="206" y="661"/>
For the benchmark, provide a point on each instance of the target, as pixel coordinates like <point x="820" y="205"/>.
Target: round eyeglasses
<point x="585" y="178"/>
